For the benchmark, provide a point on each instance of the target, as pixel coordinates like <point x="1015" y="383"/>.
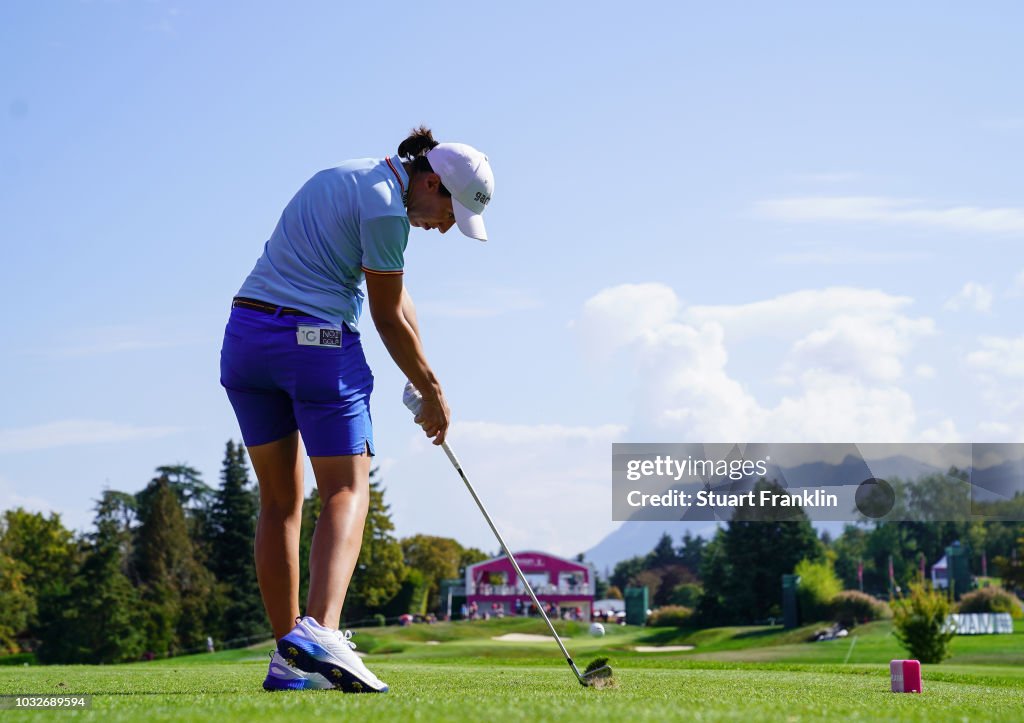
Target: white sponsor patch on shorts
<point x="321" y="335"/>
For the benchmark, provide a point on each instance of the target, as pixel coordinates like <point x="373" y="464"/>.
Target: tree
<point x="176" y="588"/>
<point x="920" y="623"/>
<point x="672" y="576"/>
<point x="437" y="558"/>
<point x="691" y="551"/>
<point x="471" y="556"/>
<point x="194" y="496"/>
<point x="37" y="558"/>
<point x="663" y="554"/>
<point x="650" y="579"/>
<point x="714" y="573"/>
<point x="850" y="549"/>
<point x="379" y="570"/>
<point x="626" y="570"/>
<point x="743" y="573"/>
<point x="98" y="619"/>
<point x="232" y="528"/>
<point x="818" y="586"/>
<point x="1012" y="567"/>
<point x="17" y="605"/>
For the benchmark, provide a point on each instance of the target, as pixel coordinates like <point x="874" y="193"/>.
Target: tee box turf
<point x="906" y="676"/>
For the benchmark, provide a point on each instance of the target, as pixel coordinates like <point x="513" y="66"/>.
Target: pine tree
<point x="663" y="554"/>
<point x="743" y="566"/>
<point x="232" y="530"/>
<point x="691" y="551"/>
<point x="194" y="496"/>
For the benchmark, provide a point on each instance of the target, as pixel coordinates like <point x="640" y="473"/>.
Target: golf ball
<point x="596" y="629"/>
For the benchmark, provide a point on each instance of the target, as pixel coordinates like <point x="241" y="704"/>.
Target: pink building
<point x="493" y="584"/>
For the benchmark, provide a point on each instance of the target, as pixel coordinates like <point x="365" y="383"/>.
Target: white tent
<point x="940" y="574"/>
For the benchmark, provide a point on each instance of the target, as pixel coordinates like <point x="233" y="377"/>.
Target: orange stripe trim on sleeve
<point x="383" y="273"/>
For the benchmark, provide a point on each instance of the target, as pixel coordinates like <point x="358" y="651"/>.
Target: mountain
<point x="639" y="538"/>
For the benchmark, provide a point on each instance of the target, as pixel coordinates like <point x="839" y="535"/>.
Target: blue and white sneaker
<point x="331" y="653"/>
<point x="282" y="676"/>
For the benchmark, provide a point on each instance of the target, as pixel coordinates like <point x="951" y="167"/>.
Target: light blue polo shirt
<point x="342" y="221"/>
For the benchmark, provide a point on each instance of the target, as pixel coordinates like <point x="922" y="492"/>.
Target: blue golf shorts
<point x="277" y="385"/>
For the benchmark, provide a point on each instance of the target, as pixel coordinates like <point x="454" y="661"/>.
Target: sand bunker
<point x="662" y="648"/>
<point x="521" y="638"/>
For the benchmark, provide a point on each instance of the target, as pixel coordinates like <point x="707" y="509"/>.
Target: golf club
<point x="598" y="670"/>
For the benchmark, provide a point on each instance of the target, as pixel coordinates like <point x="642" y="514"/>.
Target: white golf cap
<point x="465" y="172"/>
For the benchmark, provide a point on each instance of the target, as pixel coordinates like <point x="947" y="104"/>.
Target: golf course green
<point x="458" y="671"/>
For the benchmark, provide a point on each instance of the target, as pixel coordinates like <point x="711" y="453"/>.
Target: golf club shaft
<point x="508" y="553"/>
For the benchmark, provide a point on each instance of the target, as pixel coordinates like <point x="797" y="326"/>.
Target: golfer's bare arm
<point x="395" y="318"/>
<point x="409" y="312"/>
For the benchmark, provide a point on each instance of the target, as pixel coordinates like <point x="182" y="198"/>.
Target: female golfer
<point x="292" y="364"/>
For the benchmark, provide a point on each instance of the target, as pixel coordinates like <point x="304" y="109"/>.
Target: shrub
<point x="851" y="607"/>
<point x="920" y="623"/>
<point x="686" y="594"/>
<point x="818" y="586"/>
<point x="380" y="620"/>
<point x="670" y="616"/>
<point x="991" y="600"/>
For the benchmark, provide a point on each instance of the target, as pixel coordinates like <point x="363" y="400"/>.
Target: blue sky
<point x="711" y="223"/>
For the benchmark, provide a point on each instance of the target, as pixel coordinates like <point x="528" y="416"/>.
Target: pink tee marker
<point x="906" y="676"/>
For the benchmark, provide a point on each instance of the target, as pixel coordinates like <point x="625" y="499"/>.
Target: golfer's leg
<point x="344" y="486"/>
<point x="278" y="468"/>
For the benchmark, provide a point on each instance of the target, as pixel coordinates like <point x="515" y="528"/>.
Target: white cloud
<point x="839" y="329"/>
<point x="846" y="348"/>
<point x="972" y="296"/>
<point x="861" y="345"/>
<point x="924" y="371"/>
<point x="998" y="366"/>
<point x="943" y="432"/>
<point x="800" y="312"/>
<point x="894" y="211"/>
<point x="10" y="498"/>
<point x="75" y="432"/>
<point x="999" y="356"/>
<point x="997" y="432"/>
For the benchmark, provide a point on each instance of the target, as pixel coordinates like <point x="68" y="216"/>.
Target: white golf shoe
<point x="331" y="653"/>
<point x="281" y="676"/>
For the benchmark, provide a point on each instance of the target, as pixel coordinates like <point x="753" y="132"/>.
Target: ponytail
<point x="417" y="144"/>
<point x="413" y="150"/>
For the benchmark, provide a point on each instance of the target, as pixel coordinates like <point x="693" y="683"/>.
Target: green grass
<point x="733" y="674"/>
